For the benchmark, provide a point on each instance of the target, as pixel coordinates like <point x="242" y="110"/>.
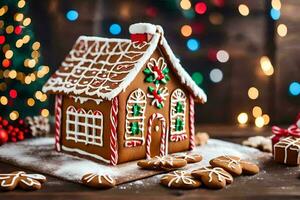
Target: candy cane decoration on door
<point x="113" y="131"/>
<point x="163" y="142"/>
<point x="192" y="123"/>
<point x="58" y="115"/>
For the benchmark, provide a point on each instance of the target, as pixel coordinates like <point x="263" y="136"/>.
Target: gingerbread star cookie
<point x="22" y="180"/>
<point x="234" y="165"/>
<point x="213" y="177"/>
<point x="162" y="162"/>
<point x="179" y="180"/>
<point x="189" y="157"/>
<point x="98" y="181"/>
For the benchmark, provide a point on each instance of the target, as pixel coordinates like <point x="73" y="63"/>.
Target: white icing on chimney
<point x="140" y="28"/>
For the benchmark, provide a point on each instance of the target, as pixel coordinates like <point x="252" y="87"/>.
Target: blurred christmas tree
<point x="21" y="74"/>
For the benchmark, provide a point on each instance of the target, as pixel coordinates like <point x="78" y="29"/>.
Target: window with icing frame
<point x="84" y="127"/>
<point x="135" y="117"/>
<point x="178" y="108"/>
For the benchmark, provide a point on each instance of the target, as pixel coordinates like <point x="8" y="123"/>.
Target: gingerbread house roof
<point x="102" y="68"/>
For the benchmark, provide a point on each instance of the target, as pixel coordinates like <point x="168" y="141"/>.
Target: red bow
<point x="292" y="130"/>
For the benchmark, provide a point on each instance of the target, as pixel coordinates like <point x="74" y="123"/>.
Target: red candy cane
<point x="113" y="131"/>
<point x="163" y="136"/>
<point x="192" y="123"/>
<point x="58" y="104"/>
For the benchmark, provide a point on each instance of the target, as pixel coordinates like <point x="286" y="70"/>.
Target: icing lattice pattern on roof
<point x="96" y="66"/>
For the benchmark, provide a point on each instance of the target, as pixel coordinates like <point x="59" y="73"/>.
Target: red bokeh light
<point x="151" y="11"/>
<point x="200" y="8"/>
<point x="6" y="63"/>
<point x="2" y="39"/>
<point x="219" y="3"/>
<point x="13" y="93"/>
<point x="18" y="30"/>
<point x="212" y="54"/>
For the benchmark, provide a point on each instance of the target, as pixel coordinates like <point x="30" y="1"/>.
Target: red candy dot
<point x="200" y="8"/>
<point x="18" y="30"/>
<point x="2" y="39"/>
<point x="13" y="93"/>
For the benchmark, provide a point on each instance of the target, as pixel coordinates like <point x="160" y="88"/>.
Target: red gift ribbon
<point x="292" y="130"/>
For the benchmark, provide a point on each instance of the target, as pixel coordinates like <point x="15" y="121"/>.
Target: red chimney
<point x="141" y="32"/>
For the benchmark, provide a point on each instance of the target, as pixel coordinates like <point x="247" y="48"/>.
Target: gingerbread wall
<point x="104" y="108"/>
<point x="139" y="152"/>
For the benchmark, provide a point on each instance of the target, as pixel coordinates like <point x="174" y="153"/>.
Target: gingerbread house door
<point x="156" y="136"/>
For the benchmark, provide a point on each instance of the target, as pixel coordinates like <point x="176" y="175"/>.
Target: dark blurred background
<point x="244" y="54"/>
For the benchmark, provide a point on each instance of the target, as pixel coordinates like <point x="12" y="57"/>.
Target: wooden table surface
<point x="275" y="181"/>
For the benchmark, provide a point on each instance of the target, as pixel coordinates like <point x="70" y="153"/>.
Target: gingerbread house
<point x="119" y="100"/>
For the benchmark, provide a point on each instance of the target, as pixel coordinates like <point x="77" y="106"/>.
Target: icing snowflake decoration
<point x="158" y="96"/>
<point x="179" y="176"/>
<point x="157" y="71"/>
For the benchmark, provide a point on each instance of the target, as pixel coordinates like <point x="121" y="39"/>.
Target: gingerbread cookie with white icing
<point x="189" y="157"/>
<point x="98" y="181"/>
<point x="162" y="162"/>
<point x="234" y="165"/>
<point x="179" y="180"/>
<point x="9" y="182"/>
<point x="213" y="177"/>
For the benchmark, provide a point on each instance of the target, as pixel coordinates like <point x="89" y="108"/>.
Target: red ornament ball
<point x="18" y="30"/>
<point x="2" y="39"/>
<point x="3" y="136"/>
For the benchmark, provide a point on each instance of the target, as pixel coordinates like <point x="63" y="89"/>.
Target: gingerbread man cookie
<point x="234" y="165"/>
<point x="98" y="181"/>
<point x="9" y="182"/>
<point x="162" y="162"/>
<point x="179" y="180"/>
<point x="189" y="157"/>
<point x="213" y="177"/>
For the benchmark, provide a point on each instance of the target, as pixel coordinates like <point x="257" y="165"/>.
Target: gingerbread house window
<point x="135" y="116"/>
<point x="84" y="127"/>
<point x="178" y="116"/>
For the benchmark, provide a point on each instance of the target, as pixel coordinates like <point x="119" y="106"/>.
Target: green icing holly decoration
<point x="136" y="109"/>
<point x="135" y="129"/>
<point x="178" y="124"/>
<point x="156" y="75"/>
<point x="179" y="107"/>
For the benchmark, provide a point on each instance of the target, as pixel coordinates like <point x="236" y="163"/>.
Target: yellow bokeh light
<point x="266" y="66"/>
<point x="186" y="30"/>
<point x="45" y="112"/>
<point x="243" y="9"/>
<point x="185" y="4"/>
<point x="282" y="30"/>
<point x="216" y="18"/>
<point x="18" y="17"/>
<point x="12" y="74"/>
<point x="19" y="43"/>
<point x="242" y="118"/>
<point x="266" y="119"/>
<point x="31" y="63"/>
<point x="38" y="94"/>
<point x="1" y="23"/>
<point x="259" y="122"/>
<point x="43" y="98"/>
<point x="276" y="4"/>
<point x="9" y="29"/>
<point x="21" y="3"/>
<point x="35" y="54"/>
<point x="36" y="45"/>
<point x="33" y="77"/>
<point x="14" y="115"/>
<point x="3" y="100"/>
<point x="256" y="111"/>
<point x="26" y="21"/>
<point x="30" y="102"/>
<point x="27" y="80"/>
<point x="3" y="10"/>
<point x="3" y="86"/>
<point x="26" y="39"/>
<point x="9" y="54"/>
<point x="253" y="93"/>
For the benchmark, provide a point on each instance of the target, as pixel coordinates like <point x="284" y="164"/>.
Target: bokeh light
<point x="266" y="119"/>
<point x="14" y="115"/>
<point x="259" y="122"/>
<point x="256" y="111"/>
<point x="275" y="14"/>
<point x="13" y="93"/>
<point x="200" y="8"/>
<point x="45" y="112"/>
<point x="276" y="4"/>
<point x="243" y="9"/>
<point x="242" y="118"/>
<point x="3" y="100"/>
<point x="72" y="15"/>
<point x="266" y="66"/>
<point x="186" y="30"/>
<point x="216" y="18"/>
<point x="115" y="29"/>
<point x="197" y="77"/>
<point x="216" y="75"/>
<point x="282" y="30"/>
<point x="193" y="44"/>
<point x="294" y="88"/>
<point x="253" y="93"/>
<point x="185" y="4"/>
<point x="222" y="56"/>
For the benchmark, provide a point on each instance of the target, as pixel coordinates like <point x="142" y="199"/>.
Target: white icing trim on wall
<point x="85" y="99"/>
<point x="84" y="153"/>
